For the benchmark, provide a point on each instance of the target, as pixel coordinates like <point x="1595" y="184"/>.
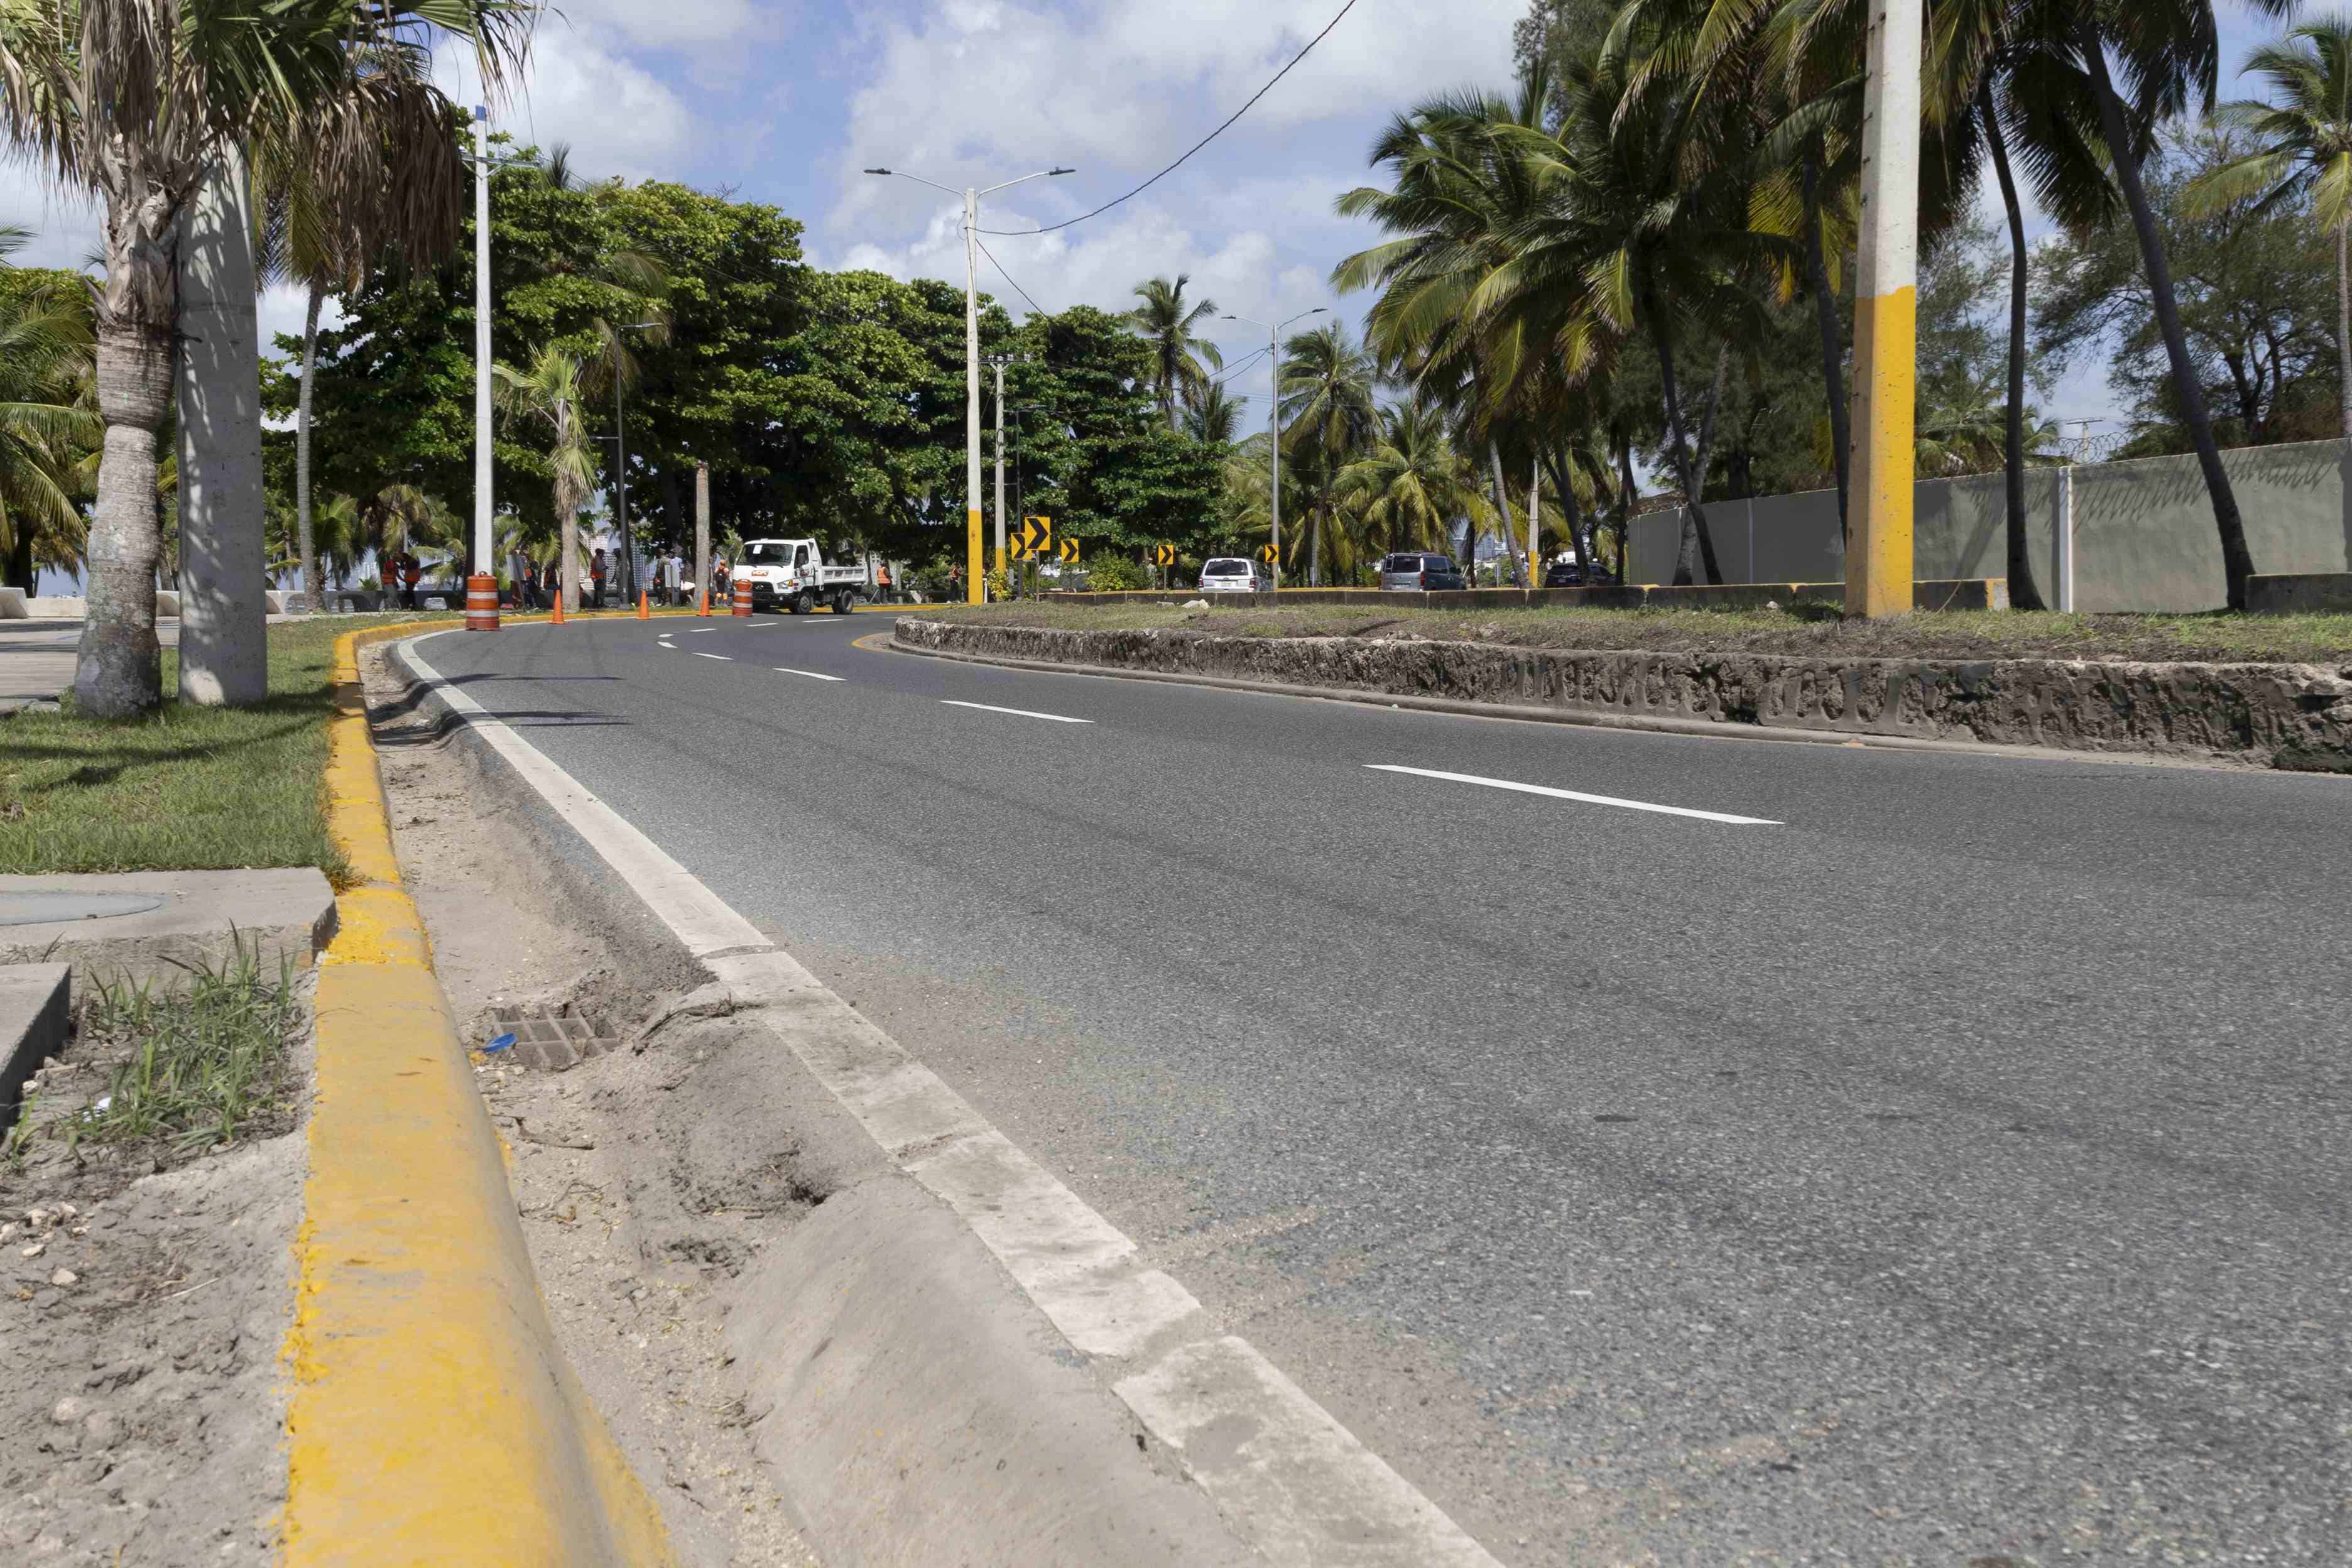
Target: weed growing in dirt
<point x="205" y="1061"/>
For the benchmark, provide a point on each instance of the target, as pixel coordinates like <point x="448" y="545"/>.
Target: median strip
<point x="1575" y="794"/>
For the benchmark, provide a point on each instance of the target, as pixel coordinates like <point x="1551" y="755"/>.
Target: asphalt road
<point x="1950" y="1166"/>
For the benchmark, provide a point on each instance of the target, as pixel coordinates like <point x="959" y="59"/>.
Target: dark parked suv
<point x="1569" y="574"/>
<point x="1414" y="570"/>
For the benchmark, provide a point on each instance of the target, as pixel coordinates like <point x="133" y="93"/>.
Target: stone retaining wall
<point x="2295" y="716"/>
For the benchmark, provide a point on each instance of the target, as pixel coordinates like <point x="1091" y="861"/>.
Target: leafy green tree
<point x="1213" y="414"/>
<point x="1181" y="358"/>
<point x="46" y="426"/>
<point x="1410" y="484"/>
<point x="2251" y="296"/>
<point x="2307" y="154"/>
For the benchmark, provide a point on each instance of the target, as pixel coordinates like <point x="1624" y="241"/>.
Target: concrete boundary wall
<point x="2291" y="716"/>
<point x="2143" y="529"/>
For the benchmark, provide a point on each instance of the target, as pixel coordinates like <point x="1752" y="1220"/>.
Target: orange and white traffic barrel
<point x="481" y="603"/>
<point x="742" y="595"/>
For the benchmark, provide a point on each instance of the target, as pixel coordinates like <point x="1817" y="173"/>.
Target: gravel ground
<point x="1806" y="629"/>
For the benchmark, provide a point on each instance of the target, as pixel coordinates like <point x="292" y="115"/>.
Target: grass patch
<point x="183" y="787"/>
<point x="193" y="1067"/>
<point x="2217" y="638"/>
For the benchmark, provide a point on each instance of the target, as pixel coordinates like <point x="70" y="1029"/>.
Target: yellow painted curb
<point x="432" y="1418"/>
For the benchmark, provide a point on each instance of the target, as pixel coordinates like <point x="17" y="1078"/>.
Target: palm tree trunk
<point x="305" y="539"/>
<point x="2023" y="594"/>
<point x="2237" y="562"/>
<point x="1502" y="497"/>
<point x="1563" y="477"/>
<point x="1708" y="416"/>
<point x="118" y="669"/>
<point x="1625" y="499"/>
<point x="1825" y="314"/>
<point x="2343" y="325"/>
<point x="1315" y="546"/>
<point x="568" y="564"/>
<point x="1696" y="549"/>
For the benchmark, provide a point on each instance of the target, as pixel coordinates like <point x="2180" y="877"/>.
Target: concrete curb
<point x="2289" y="717"/>
<point x="432" y="1418"/>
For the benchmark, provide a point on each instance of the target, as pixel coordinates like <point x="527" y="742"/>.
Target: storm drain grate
<point x="552" y="1042"/>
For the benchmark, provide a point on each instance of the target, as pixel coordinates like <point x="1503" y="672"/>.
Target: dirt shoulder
<point x="1801" y="631"/>
<point x="146" y="1292"/>
<point x="642" y="1191"/>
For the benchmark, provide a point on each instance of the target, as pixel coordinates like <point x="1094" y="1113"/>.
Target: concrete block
<point x="149" y="924"/>
<point x="2300" y="593"/>
<point x="55" y="607"/>
<point x="36" y="1004"/>
<point x="14" y="604"/>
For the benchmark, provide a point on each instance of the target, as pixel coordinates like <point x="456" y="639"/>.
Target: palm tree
<point x="1211" y="414"/>
<point x="2171" y="56"/>
<point x="1327" y="414"/>
<point x="139" y="101"/>
<point x="44" y="424"/>
<point x="1181" y="361"/>
<point x="554" y="390"/>
<point x="2308" y="151"/>
<point x="1411" y="484"/>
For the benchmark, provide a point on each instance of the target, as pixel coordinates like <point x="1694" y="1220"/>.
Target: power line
<point x="1196" y="146"/>
<point x="1008" y="278"/>
<point x="1233" y="370"/>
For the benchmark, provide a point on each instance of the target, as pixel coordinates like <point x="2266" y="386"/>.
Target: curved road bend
<point x="1946" y="1164"/>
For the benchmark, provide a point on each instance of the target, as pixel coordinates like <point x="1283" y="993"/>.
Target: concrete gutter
<point x="432" y="1418"/>
<point x="2290" y="716"/>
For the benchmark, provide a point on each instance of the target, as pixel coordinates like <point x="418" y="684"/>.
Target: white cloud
<point x="1118" y="88"/>
<point x="618" y="118"/>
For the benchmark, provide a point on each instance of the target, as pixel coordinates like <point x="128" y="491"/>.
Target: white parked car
<point x="1232" y="575"/>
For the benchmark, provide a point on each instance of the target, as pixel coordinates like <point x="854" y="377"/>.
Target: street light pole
<point x="1273" y="419"/>
<point x="972" y="195"/>
<point x="1000" y="564"/>
<point x="485" y="572"/>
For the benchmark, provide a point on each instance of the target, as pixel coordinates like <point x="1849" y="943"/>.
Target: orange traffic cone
<point x="645" y="606"/>
<point x="702" y="603"/>
<point x="558" y="602"/>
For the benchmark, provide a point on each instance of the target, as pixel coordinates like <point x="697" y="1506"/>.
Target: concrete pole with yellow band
<point x="1878" y="566"/>
<point x="974" y="568"/>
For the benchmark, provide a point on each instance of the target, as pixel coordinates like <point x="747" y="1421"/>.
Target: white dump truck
<point x="791" y="574"/>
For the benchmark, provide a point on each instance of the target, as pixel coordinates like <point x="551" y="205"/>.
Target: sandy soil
<point x="142" y="1312"/>
<point x="637" y="1219"/>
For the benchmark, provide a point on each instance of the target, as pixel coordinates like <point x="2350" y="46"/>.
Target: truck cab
<point x="791" y="574"/>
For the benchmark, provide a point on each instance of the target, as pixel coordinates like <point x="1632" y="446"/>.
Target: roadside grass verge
<point x="183" y="787"/>
<point x="1804" y="630"/>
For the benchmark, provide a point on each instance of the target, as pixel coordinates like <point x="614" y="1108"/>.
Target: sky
<point x="784" y="101"/>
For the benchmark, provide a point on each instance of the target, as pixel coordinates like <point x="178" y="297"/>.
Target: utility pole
<point x="1878" y="566"/>
<point x="701" y="532"/>
<point x="974" y="562"/>
<point x="1273" y="419"/>
<point x="484" y="509"/>
<point x="1000" y="564"/>
<point x="1534" y="518"/>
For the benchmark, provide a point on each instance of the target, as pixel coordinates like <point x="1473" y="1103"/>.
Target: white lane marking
<point x="813" y="675"/>
<point x="1300" y="1488"/>
<point x="1022" y="713"/>
<point x="719" y="657"/>
<point x="1578" y="795"/>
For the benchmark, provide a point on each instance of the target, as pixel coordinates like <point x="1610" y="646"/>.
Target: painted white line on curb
<point x="719" y="657"/>
<point x="1291" y="1480"/>
<point x="813" y="675"/>
<point x="1577" y="795"/>
<point x="1019" y="713"/>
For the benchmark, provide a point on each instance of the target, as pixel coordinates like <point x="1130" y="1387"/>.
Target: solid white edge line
<point x="1019" y="713"/>
<point x="719" y="657"/>
<point x="1300" y="1488"/>
<point x="813" y="675"/>
<point x="1577" y="795"/>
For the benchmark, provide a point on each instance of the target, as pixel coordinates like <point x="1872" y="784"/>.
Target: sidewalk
<point x="37" y="657"/>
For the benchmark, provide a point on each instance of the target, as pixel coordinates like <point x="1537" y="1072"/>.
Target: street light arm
<point x="1040" y="175"/>
<point x="919" y="179"/>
